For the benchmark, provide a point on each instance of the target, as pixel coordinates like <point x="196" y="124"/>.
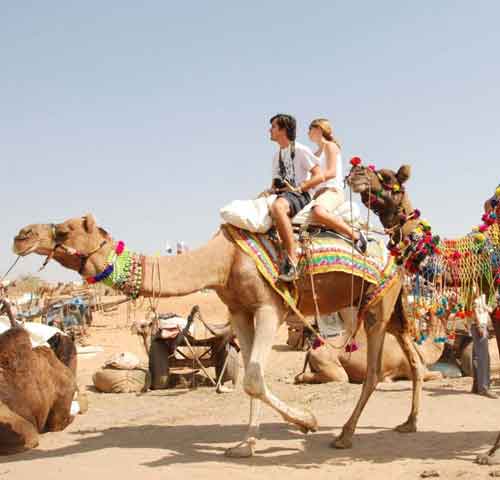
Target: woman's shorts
<point x="330" y="199"/>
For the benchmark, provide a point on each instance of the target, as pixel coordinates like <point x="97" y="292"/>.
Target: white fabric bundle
<point x="123" y="361"/>
<point x="251" y="215"/>
<point x="39" y="332"/>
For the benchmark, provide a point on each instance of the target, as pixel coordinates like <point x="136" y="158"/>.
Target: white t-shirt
<point x="299" y="169"/>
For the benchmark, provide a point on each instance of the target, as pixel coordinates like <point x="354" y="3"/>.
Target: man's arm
<point x="311" y="163"/>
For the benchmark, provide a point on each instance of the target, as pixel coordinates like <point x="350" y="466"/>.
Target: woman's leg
<point x="321" y="215"/>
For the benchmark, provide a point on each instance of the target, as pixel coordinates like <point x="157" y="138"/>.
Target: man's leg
<point x="280" y="211"/>
<point x="496" y="326"/>
<point x="481" y="361"/>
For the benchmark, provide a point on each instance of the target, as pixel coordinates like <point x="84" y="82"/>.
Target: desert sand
<point x="184" y="432"/>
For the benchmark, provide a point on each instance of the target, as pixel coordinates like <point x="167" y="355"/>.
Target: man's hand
<point x="265" y="193"/>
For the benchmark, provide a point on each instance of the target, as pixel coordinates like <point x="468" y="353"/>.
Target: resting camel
<point x="37" y="386"/>
<point x="256" y="310"/>
<point x="329" y="364"/>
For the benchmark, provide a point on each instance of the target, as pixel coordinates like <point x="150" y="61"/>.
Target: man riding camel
<point x="295" y="171"/>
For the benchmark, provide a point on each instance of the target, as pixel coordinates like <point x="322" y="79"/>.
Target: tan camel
<point x="37" y="387"/>
<point x="336" y="365"/>
<point x="256" y="310"/>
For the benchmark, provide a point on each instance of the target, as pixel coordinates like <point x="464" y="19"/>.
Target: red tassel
<point x="351" y="347"/>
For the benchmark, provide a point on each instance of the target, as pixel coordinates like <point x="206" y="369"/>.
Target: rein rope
<point x="11" y="268"/>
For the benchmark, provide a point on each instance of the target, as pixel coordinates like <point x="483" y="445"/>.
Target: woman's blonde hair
<point x="326" y="129"/>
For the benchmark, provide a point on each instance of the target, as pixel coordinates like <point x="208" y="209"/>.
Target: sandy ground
<point x="185" y="432"/>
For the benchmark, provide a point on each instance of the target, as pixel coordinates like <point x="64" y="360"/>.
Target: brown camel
<point x="336" y="365"/>
<point x="382" y="191"/>
<point x="256" y="310"/>
<point x="37" y="386"/>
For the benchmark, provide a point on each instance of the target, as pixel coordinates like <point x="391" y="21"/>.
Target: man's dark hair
<point x="287" y="122"/>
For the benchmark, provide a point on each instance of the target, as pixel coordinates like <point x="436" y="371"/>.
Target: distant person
<point x="169" y="250"/>
<point x="480" y="349"/>
<point x="493" y="204"/>
<point x="181" y="247"/>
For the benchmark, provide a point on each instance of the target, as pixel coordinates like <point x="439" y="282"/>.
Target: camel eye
<point x="61" y="235"/>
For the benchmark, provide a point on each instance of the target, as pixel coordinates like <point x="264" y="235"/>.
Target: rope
<point x="11" y="267"/>
<point x="153" y="299"/>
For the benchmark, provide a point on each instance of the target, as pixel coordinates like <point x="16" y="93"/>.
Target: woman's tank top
<point x="335" y="182"/>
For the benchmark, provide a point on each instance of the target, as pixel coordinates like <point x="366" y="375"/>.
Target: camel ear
<point x="404" y="173"/>
<point x="89" y="223"/>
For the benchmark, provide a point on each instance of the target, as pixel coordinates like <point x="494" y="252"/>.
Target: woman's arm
<point x="314" y="180"/>
<point x="331" y="152"/>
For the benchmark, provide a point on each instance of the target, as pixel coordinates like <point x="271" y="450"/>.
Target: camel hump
<point x="13" y="343"/>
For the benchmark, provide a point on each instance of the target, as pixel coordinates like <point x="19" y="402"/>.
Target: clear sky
<point x="153" y="115"/>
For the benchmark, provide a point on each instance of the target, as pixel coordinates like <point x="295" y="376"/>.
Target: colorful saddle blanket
<point x="329" y="254"/>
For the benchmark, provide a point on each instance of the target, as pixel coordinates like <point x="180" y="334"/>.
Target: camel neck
<point x="206" y="267"/>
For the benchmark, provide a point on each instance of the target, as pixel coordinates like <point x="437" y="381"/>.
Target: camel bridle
<point x="69" y="250"/>
<point x="370" y="201"/>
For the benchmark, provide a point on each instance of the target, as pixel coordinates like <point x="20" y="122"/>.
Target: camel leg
<point x="323" y="370"/>
<point x="417" y="377"/>
<point x="493" y="455"/>
<point x="267" y="321"/>
<point x="375" y="346"/>
<point x="245" y="332"/>
<point x="16" y="433"/>
<point x="322" y="377"/>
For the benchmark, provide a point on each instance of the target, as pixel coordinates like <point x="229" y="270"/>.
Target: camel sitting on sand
<point x="335" y="364"/>
<point x="37" y="387"/>
<point x="256" y="309"/>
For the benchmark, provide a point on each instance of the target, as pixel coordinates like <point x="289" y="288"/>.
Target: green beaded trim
<point x="127" y="273"/>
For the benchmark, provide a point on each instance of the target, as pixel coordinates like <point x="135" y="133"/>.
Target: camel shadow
<point x="187" y="444"/>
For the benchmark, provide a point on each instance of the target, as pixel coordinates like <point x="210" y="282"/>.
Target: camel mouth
<point x="18" y="249"/>
<point x="358" y="186"/>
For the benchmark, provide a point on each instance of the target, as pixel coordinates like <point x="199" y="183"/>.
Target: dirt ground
<point x="184" y="432"/>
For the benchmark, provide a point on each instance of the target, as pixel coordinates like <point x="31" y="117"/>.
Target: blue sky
<point x="153" y="115"/>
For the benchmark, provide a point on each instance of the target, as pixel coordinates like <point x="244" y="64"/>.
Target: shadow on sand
<point x="186" y="444"/>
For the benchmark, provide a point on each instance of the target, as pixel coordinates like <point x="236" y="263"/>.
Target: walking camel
<point x="398" y="217"/>
<point x="256" y="310"/>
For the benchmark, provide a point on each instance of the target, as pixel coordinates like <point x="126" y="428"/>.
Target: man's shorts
<point x="330" y="199"/>
<point x="297" y="201"/>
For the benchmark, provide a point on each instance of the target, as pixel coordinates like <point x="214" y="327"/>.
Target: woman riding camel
<point x="329" y="195"/>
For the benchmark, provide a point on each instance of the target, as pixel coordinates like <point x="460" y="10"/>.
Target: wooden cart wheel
<point x="158" y="364"/>
<point x="232" y="371"/>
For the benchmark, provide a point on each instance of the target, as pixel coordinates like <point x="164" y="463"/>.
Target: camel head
<point x="143" y="329"/>
<point x="382" y="191"/>
<point x="78" y="244"/>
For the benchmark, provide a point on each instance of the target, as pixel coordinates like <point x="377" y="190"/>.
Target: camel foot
<point x="223" y="389"/>
<point x="308" y="425"/>
<point x="410" y="426"/>
<point x="432" y="376"/>
<point x="244" y="449"/>
<point x="485" y="459"/>
<point x="299" y="379"/>
<point x="342" y="442"/>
